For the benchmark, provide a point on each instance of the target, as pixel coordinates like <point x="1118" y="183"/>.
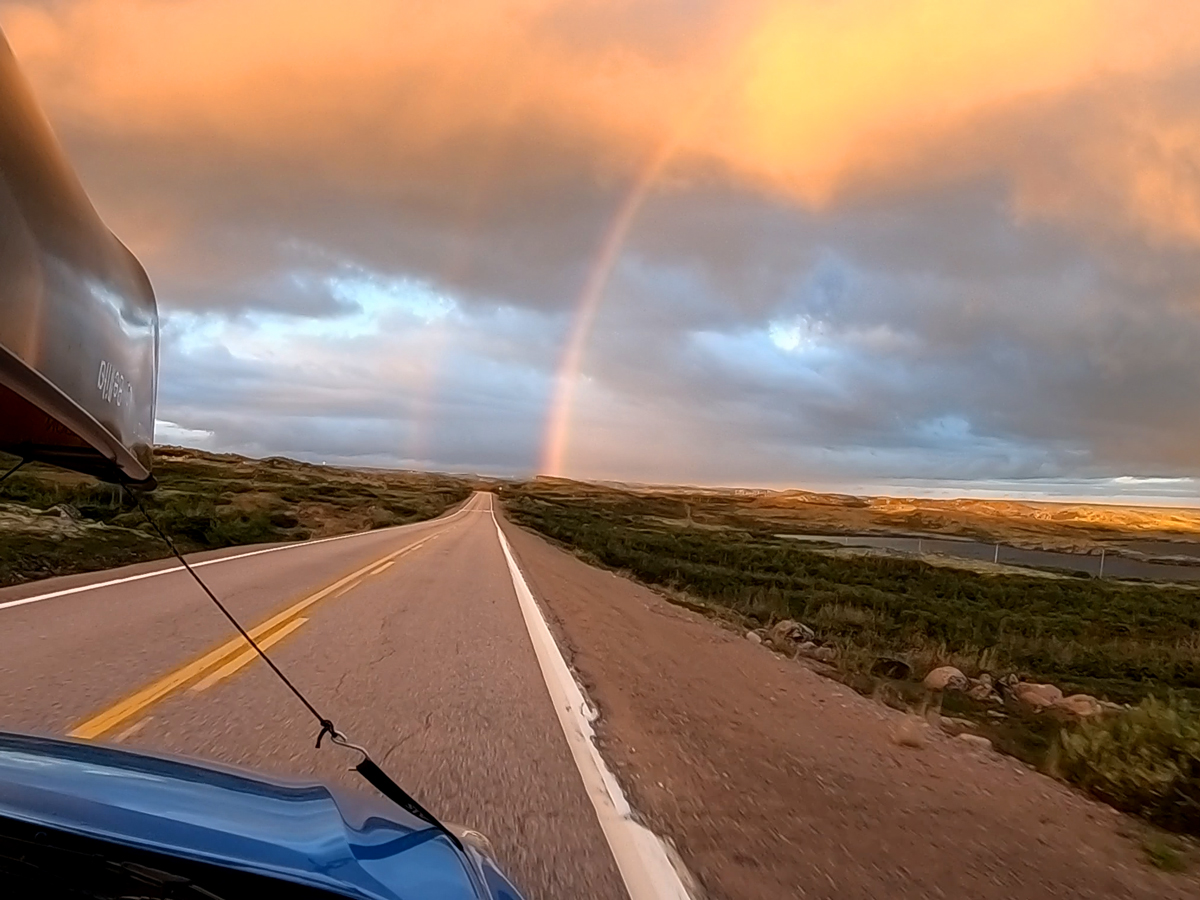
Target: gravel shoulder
<point x="775" y="782"/>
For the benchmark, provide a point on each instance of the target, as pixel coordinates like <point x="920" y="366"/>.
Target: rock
<point x="891" y="668"/>
<point x="753" y="638"/>
<point x="982" y="689"/>
<point x="975" y="741"/>
<point x="909" y="732"/>
<point x="946" y="678"/>
<point x="63" y="511"/>
<point x="955" y="725"/>
<point x="809" y="650"/>
<point x="1081" y="706"/>
<point x="1036" y="696"/>
<point x="788" y="630"/>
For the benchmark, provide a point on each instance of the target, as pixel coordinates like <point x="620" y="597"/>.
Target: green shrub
<point x="205" y="501"/>
<point x="1115" y="640"/>
<point x="1145" y="760"/>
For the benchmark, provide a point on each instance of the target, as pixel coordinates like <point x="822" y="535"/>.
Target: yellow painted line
<point x="387" y="565"/>
<point x="248" y="656"/>
<point x="135" y="703"/>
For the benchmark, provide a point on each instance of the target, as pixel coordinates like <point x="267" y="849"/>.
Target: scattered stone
<point x="753" y="638"/>
<point x="955" y="725"/>
<point x="997" y="714"/>
<point x="910" y="732"/>
<point x="790" y="630"/>
<point x="63" y="511"/>
<point x="983" y="689"/>
<point x="891" y="668"/>
<point x="809" y="650"/>
<point x="975" y="741"/>
<point x="946" y="678"/>
<point x="1081" y="706"/>
<point x="1036" y="696"/>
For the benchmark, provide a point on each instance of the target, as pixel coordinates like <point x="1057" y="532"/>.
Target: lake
<point x="964" y="548"/>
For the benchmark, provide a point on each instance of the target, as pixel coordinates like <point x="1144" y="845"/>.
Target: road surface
<point x="411" y="639"/>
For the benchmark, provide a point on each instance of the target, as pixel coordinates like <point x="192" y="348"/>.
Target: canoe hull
<point x="78" y="319"/>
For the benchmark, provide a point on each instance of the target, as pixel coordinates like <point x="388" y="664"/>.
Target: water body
<point x="962" y="548"/>
<point x="1165" y="548"/>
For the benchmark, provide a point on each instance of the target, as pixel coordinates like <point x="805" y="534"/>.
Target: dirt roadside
<point x="774" y="782"/>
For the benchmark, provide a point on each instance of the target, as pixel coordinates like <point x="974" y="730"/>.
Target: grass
<point x="1145" y="761"/>
<point x="1117" y="640"/>
<point x="204" y="501"/>
<point x="1131" y="643"/>
<point x="1164" y="855"/>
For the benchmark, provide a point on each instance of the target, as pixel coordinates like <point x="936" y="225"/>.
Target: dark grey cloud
<point x="346" y="276"/>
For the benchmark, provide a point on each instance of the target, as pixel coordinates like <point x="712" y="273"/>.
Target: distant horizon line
<point x="1015" y="489"/>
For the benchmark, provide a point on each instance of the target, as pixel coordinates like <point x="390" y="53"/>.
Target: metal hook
<point x="340" y="740"/>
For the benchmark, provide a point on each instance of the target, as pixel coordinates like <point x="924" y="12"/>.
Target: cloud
<point x="937" y="238"/>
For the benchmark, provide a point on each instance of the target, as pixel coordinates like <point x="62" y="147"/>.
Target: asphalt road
<point x="411" y="639"/>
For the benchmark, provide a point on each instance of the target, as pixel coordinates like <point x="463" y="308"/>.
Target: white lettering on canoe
<point x="114" y="387"/>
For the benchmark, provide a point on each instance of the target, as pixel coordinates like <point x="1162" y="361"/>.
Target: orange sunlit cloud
<point x="805" y="98"/>
<point x="1008" y="182"/>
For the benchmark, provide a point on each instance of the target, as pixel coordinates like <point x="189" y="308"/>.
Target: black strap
<point x="367" y="768"/>
<point x="383" y="783"/>
<point x="13" y="469"/>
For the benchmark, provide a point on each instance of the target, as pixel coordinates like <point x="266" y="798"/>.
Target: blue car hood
<point x="297" y="832"/>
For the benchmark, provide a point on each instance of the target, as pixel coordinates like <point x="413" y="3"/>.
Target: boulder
<point x="975" y="741"/>
<point x="983" y="689"/>
<point x="891" y="668"/>
<point x="809" y="650"/>
<point x="753" y="638"/>
<point x="910" y="732"/>
<point x="1080" y="706"/>
<point x="955" y="725"/>
<point x="946" y="678"/>
<point x="1036" y="696"/>
<point x="63" y="511"/>
<point x="789" y="630"/>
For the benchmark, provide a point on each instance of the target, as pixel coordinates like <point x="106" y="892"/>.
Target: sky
<point x="889" y="246"/>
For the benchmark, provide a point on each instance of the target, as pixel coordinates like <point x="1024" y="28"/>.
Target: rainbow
<point x="558" y="426"/>
<point x="558" y="423"/>
<point x="556" y="440"/>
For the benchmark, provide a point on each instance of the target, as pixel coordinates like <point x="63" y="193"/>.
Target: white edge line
<point x="639" y="853"/>
<point x="210" y="562"/>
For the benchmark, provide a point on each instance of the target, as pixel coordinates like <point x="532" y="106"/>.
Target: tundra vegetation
<point x="57" y="523"/>
<point x="1130" y="644"/>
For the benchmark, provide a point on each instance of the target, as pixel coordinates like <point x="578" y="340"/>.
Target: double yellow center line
<point x="222" y="662"/>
